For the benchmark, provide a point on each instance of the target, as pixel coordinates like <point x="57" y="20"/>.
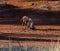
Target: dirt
<point x="43" y="30"/>
<point x="53" y="5"/>
<point x="39" y="29"/>
<point x="5" y="43"/>
<point x="18" y="29"/>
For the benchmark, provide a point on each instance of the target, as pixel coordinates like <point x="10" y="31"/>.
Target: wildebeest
<point x="27" y="22"/>
<point x="24" y="20"/>
<point x="30" y="24"/>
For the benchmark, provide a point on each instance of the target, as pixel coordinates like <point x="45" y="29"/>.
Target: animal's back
<point x="25" y="18"/>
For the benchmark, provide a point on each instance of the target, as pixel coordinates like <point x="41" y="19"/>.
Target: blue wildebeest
<point x="27" y="22"/>
<point x="30" y="24"/>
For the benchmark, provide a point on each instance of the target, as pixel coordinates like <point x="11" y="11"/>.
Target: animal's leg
<point x="25" y="27"/>
<point x="28" y="27"/>
<point x="23" y="23"/>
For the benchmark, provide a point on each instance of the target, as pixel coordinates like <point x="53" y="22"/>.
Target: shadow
<point x="30" y="0"/>
<point x="27" y="39"/>
<point x="36" y="0"/>
<point x="27" y="35"/>
<point x="5" y="36"/>
<point x="7" y="6"/>
<point x="48" y="29"/>
<point x="10" y="14"/>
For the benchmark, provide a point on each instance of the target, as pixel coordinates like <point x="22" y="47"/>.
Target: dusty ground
<point x="54" y="5"/>
<point x="41" y="32"/>
<point x="18" y="31"/>
<point x="5" y="43"/>
<point x="39" y="29"/>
